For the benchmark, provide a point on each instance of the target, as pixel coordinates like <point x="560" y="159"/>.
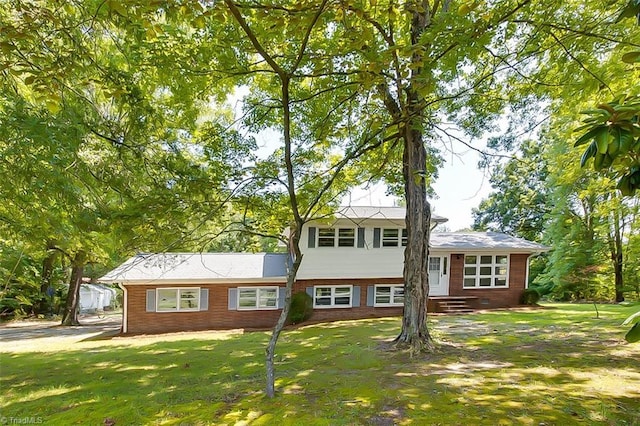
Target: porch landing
<point x="452" y="304"/>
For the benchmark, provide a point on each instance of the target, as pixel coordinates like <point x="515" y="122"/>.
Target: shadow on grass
<point x="489" y="369"/>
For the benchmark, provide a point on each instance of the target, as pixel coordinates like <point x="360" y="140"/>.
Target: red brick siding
<point x="219" y="317"/>
<point x="491" y="297"/>
<point x="363" y="311"/>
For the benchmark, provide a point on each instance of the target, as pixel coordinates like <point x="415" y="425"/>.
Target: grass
<point x="557" y="365"/>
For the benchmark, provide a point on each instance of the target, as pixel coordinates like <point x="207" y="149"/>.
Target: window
<point x="177" y="299"/>
<point x="251" y="298"/>
<point x="394" y="237"/>
<point x="434" y="264"/>
<point x="346" y="237"/>
<point x="389" y="295"/>
<point x="390" y="237"/>
<point x="332" y="296"/>
<point x="485" y="271"/>
<point x="327" y="237"/>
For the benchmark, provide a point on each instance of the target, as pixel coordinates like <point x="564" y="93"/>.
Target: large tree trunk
<point x="70" y="315"/>
<point x="415" y="333"/>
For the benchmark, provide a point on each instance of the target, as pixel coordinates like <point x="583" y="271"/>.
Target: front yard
<point x="557" y="365"/>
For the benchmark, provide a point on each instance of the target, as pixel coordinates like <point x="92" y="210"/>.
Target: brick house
<point x="352" y="268"/>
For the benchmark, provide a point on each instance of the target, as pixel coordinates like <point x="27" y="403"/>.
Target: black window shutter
<point x="312" y="236"/>
<point x="360" y="237"/>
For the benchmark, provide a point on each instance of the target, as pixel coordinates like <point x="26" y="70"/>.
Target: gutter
<point x="526" y="274"/>
<point x="123" y="329"/>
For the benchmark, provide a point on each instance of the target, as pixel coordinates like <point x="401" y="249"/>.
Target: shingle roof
<point x="483" y="241"/>
<point x="222" y="267"/>
<point x="199" y="266"/>
<point x="369" y="212"/>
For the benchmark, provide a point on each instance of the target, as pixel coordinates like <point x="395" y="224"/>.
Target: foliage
<point x="613" y="129"/>
<point x="301" y="308"/>
<point x="519" y="202"/>
<point x="110" y="149"/>
<point x="336" y="374"/>
<point x="633" y="335"/>
<point x="530" y="297"/>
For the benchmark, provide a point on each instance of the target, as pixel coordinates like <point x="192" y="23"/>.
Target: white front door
<point x="438" y="275"/>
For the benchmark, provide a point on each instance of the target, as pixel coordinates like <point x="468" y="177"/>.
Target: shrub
<point x="301" y="308"/>
<point x="530" y="297"/>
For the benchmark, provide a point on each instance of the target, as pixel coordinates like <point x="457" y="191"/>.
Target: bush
<point x="530" y="297"/>
<point x="301" y="308"/>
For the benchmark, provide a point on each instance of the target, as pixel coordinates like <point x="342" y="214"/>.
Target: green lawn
<point x="557" y="365"/>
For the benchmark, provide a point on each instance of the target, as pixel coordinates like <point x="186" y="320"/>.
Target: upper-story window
<point x="394" y="237"/>
<point x="336" y="237"/>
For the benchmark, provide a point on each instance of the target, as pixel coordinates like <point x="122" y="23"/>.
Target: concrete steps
<point x="453" y="305"/>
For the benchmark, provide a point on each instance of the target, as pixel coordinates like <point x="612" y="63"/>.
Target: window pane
<point x="268" y="292"/>
<point x="434" y="264"/>
<point x="346" y="237"/>
<point x="167" y="300"/>
<point x="383" y="294"/>
<point x="268" y="302"/>
<point x="470" y="260"/>
<point x="248" y="302"/>
<point x="469" y="282"/>
<point x="343" y="290"/>
<point x="486" y="260"/>
<point x="247" y="298"/>
<point x="323" y="291"/>
<point x="189" y="299"/>
<point x="470" y="270"/>
<point x="485" y="270"/>
<point x="398" y="294"/>
<point x="343" y="300"/>
<point x="247" y="292"/>
<point x="389" y="233"/>
<point x="327" y="232"/>
<point x="501" y="270"/>
<point x="404" y="237"/>
<point x="485" y="282"/>
<point x="326" y="237"/>
<point x="383" y="290"/>
<point x="268" y="298"/>
<point x="501" y="260"/>
<point x="323" y="301"/>
<point x="390" y="238"/>
<point x="501" y="282"/>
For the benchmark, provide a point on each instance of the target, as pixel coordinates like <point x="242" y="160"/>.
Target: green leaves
<point x="633" y="335"/>
<point x="614" y="131"/>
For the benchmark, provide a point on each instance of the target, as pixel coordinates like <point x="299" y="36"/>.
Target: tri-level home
<point x="352" y="268"/>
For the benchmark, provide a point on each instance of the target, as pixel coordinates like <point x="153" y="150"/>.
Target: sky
<point x="459" y="188"/>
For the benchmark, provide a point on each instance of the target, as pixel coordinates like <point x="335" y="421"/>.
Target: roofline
<point x="162" y="281"/>
<point x="514" y="250"/>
